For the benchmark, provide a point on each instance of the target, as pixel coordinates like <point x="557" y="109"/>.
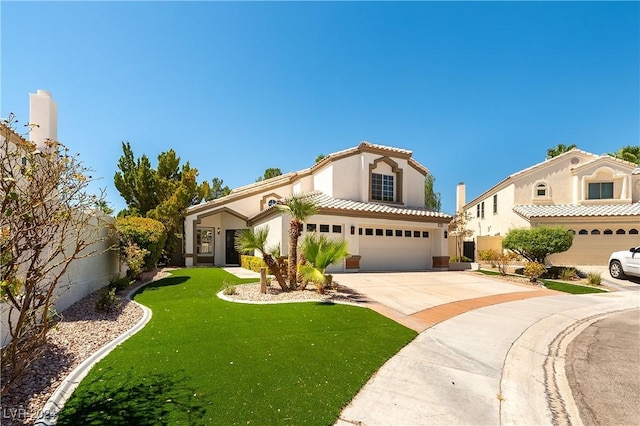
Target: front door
<point x="232" y="256"/>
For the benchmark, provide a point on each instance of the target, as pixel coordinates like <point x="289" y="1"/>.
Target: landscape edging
<point x="53" y="406"/>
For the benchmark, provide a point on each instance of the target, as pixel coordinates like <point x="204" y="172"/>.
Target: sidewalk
<point x="498" y="364"/>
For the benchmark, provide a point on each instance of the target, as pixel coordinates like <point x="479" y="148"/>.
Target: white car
<point x="625" y="263"/>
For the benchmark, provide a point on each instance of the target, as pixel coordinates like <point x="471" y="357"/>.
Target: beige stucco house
<point x="595" y="196"/>
<point x="372" y="196"/>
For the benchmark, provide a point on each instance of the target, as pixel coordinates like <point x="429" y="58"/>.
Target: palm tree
<point x="559" y="149"/>
<point x="320" y="253"/>
<point x="247" y="241"/>
<point x="300" y="207"/>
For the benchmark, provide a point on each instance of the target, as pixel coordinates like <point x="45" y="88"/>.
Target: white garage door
<point x="395" y="249"/>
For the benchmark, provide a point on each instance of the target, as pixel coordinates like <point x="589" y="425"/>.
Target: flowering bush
<point x="533" y="270"/>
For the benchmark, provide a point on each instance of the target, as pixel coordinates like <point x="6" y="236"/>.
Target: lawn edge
<point x="54" y="405"/>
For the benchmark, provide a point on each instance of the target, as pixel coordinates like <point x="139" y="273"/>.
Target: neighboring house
<point x="595" y="196"/>
<point x="372" y="196"/>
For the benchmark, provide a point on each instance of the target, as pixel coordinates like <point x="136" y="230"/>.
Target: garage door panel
<point x="395" y="254"/>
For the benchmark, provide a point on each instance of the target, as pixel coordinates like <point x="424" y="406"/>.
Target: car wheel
<point x="615" y="269"/>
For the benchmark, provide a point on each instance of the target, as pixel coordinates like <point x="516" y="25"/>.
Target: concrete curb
<point x="49" y="414"/>
<point x="534" y="388"/>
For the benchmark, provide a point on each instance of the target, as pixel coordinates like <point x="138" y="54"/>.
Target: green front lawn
<point x="556" y="285"/>
<point x="201" y="360"/>
<point x="570" y="288"/>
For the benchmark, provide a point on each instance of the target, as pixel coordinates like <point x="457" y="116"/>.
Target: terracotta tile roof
<point x="572" y="210"/>
<point x="324" y="201"/>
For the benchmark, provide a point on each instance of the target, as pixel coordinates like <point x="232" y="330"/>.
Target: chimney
<point x="461" y="194"/>
<point x="43" y="112"/>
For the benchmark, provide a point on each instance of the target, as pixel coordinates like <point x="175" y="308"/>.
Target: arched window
<point x="620" y="232"/>
<point x="633" y="231"/>
<point x="271" y="202"/>
<point x="608" y="232"/>
<point x="542" y="190"/>
<point x="595" y="232"/>
<point x="572" y="232"/>
<point x="583" y="232"/>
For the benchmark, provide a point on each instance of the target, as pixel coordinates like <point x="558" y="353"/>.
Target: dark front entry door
<point x="232" y="256"/>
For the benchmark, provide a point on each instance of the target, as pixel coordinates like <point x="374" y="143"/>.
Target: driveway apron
<point x="482" y="365"/>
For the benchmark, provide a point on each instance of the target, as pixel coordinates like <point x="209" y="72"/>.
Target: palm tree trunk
<point x="295" y="230"/>
<point x="275" y="270"/>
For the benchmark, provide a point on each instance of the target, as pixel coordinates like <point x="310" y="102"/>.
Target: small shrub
<point x="107" y="301"/>
<point x="454" y="259"/>
<point x="148" y="234"/>
<point x="533" y="270"/>
<point x="252" y="263"/>
<point x="134" y="257"/>
<point x="594" y="278"/>
<point x="490" y="256"/>
<point x="503" y="260"/>
<point x="119" y="283"/>
<point x="567" y="274"/>
<point x="228" y="289"/>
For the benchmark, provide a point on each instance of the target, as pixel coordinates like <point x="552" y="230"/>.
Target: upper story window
<point x="385" y="181"/>
<point x="495" y="204"/>
<point x="601" y="191"/>
<point x="382" y="187"/>
<point x="542" y="190"/>
<point x="271" y="202"/>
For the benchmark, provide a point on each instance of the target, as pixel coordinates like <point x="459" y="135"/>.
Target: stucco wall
<point x="594" y="249"/>
<point x="83" y="277"/>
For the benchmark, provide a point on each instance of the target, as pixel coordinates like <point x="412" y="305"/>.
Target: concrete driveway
<point x="490" y="358"/>
<point x="412" y="292"/>
<point x="420" y="300"/>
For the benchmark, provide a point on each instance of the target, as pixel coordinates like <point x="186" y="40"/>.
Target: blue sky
<point x="477" y="90"/>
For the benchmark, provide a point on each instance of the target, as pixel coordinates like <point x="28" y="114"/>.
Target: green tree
<point x="163" y="194"/>
<point x="300" y="207"/>
<point x="559" y="149"/>
<point x="217" y="190"/>
<point x="431" y="198"/>
<point x="104" y="207"/>
<point x="535" y="244"/>
<point x="319" y="253"/>
<point x="320" y="157"/>
<point x="248" y="241"/>
<point x="269" y="173"/>
<point x="136" y="181"/>
<point x="178" y="189"/>
<point x="629" y="153"/>
<point x="48" y="220"/>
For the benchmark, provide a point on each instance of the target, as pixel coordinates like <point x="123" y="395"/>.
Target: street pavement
<point x="603" y="370"/>
<point x="501" y="363"/>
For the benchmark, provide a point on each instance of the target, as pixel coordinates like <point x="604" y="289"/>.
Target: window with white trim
<point x="542" y="190"/>
<point x="382" y="187"/>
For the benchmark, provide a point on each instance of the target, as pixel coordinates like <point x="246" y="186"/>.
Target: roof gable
<point x="292" y="177"/>
<point x="522" y="174"/>
<point x="603" y="160"/>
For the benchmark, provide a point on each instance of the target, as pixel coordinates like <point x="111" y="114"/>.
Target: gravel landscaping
<point x="250" y="293"/>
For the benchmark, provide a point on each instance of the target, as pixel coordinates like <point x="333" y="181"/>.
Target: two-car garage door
<point x="395" y="249"/>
